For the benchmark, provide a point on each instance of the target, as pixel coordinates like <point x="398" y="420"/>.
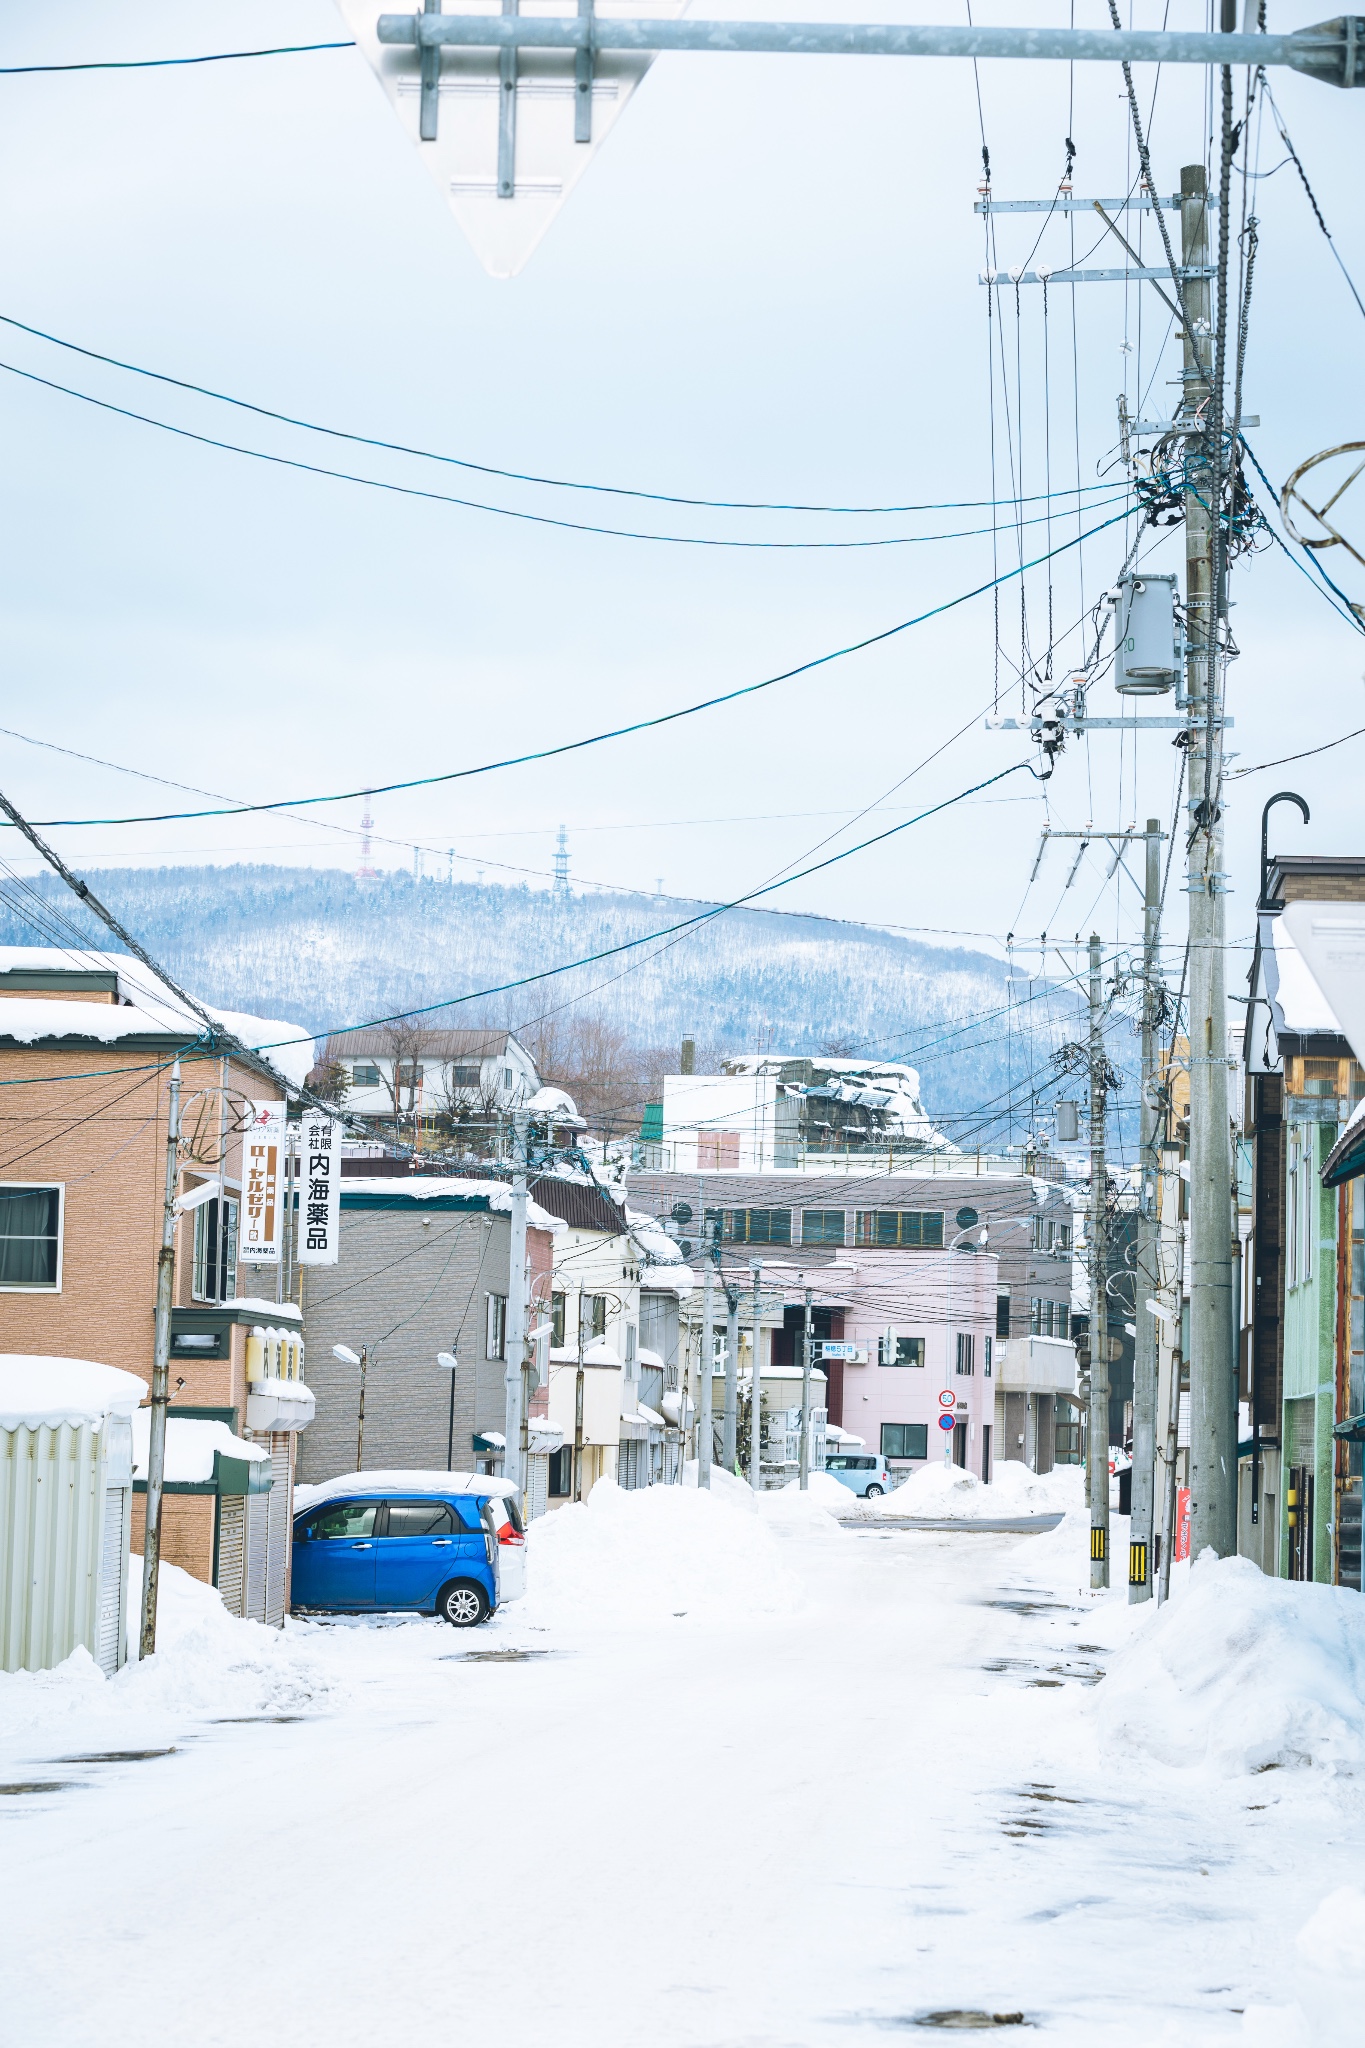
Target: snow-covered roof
<point x="347" y="1483"/>
<point x="394" y="1192"/>
<point x="1297" y="1001"/>
<point x="559" y="1107"/>
<point x="36" y="1390"/>
<point x="650" y="1414"/>
<point x="664" y="1279"/>
<point x="191" y="1442"/>
<point x="144" y="1005"/>
<point x="650" y="1358"/>
<point x="268" y="1311"/>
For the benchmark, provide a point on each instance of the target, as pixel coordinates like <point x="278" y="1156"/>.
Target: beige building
<point x="87" y="1044"/>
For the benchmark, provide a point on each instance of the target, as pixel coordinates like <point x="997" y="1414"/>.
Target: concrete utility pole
<point x="756" y="1406"/>
<point x="729" y="1448"/>
<point x="708" y="1366"/>
<point x="1098" y="1435"/>
<point x="1145" y="1254"/>
<point x="514" y="1333"/>
<point x="805" y="1396"/>
<point x="1213" y="1361"/>
<point x="161" y="1354"/>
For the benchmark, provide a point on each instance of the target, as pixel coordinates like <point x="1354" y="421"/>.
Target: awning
<point x="1346" y="1160"/>
<point x="489" y="1444"/>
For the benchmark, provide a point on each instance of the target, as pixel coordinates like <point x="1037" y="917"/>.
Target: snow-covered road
<point x="725" y="1779"/>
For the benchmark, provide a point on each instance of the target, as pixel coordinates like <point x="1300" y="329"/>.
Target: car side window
<point x="347" y="1518"/>
<point x="836" y="1464"/>
<point x="420" y="1518"/>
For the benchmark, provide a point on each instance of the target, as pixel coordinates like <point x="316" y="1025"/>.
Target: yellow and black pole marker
<point x="1099" y="1544"/>
<point x="1137" y="1564"/>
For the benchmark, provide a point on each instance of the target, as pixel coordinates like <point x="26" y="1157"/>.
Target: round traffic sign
<point x="947" y="1399"/>
<point x="946" y="1422"/>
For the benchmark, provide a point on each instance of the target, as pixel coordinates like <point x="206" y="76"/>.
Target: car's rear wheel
<point x="463" y="1605"/>
<point x="874" y="1492"/>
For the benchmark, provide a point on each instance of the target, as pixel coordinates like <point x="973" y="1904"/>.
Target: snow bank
<point x="1243" y="1673"/>
<point x="946" y="1491"/>
<point x="1331" y="1972"/>
<point x="207" y="1662"/>
<point x="37" y="1389"/>
<point x="621" y="1559"/>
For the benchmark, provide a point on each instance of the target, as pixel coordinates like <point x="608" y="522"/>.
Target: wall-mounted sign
<point x="319" y="1189"/>
<point x="262" y="1212"/>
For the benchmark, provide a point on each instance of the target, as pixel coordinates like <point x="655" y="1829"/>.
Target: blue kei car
<point x="431" y="1543"/>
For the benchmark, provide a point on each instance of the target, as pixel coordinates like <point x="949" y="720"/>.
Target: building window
<point x="1063" y="1319"/>
<point x="631" y="1360"/>
<point x="822" y="1226"/>
<point x="966" y="1352"/>
<point x="507" y="1079"/>
<point x="1002" y="1314"/>
<point x="465" y="1074"/>
<point x="990" y="1358"/>
<point x="1035" y="1315"/>
<point x="365" y="1074"/>
<point x="716" y="1150"/>
<point x="557" y="1320"/>
<point x="593" y="1316"/>
<point x="900" y="1229"/>
<point x="31" y="1238"/>
<point x="1308" y="1186"/>
<point x="495" y="1343"/>
<point x="1061" y="1241"/>
<point x="411" y="1074"/>
<point x="561" y="1472"/>
<point x="752" y="1226"/>
<point x="905" y="1439"/>
<point x="902" y="1350"/>
<point x="215" y="1250"/>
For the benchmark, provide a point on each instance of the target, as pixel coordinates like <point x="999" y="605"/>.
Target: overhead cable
<point x="168" y="63"/>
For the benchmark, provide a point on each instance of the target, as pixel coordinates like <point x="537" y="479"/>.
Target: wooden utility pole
<point x="1097" y="1447"/>
<point x="161" y="1354"/>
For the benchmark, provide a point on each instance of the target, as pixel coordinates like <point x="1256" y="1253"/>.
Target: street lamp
<point x="449" y="1363"/>
<point x="362" y="1359"/>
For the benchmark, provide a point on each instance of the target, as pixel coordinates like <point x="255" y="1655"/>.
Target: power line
<point x="593" y="739"/>
<point x="373" y="483"/>
<point x="166" y="63"/>
<point x="554" y="483"/>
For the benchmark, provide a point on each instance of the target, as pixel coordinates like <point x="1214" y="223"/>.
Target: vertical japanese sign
<point x="263" y="1148"/>
<point x="319" y="1189"/>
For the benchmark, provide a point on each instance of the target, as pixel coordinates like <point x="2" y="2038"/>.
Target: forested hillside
<point x="319" y="948"/>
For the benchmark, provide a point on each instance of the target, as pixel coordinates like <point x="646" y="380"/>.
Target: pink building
<point x="913" y="1326"/>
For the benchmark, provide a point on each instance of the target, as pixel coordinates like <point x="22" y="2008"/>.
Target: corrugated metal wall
<point x="52" y="1544"/>
<point x="232" y="1552"/>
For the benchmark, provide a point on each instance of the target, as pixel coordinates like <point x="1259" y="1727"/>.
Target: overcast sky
<point x="766" y="287"/>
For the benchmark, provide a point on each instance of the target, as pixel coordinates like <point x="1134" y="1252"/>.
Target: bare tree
<point x="403" y="1048"/>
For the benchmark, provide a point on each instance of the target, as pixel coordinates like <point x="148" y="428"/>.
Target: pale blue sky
<point x="765" y="287"/>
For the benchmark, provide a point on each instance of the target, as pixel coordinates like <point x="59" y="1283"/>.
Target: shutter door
<point x="232" y="1551"/>
<point x="278" y="1530"/>
<point x="113" y="1580"/>
<point x="537" y="1484"/>
<point x="257" y="1541"/>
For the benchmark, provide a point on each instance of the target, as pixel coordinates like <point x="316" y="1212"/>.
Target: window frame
<point x="966" y="1355"/>
<point x="366" y="1074"/>
<point x="899" y="1364"/>
<point x="905" y="1429"/>
<point x="495" y="1327"/>
<point x="731" y="1235"/>
<point x="825" y="1220"/>
<point x="225" y="1265"/>
<point x="868" y="1237"/>
<point x="40" y="1187"/>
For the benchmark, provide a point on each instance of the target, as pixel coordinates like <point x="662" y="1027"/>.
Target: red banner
<point x="1182" y="1525"/>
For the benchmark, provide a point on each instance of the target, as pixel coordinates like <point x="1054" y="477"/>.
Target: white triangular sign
<point x="547" y="162"/>
<point x="1331" y="938"/>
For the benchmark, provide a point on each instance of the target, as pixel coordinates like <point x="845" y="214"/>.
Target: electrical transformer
<point x="1148" y="645"/>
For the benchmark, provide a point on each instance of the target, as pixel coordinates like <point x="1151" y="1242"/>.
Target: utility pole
<point x="578" y="1406"/>
<point x="161" y="1353"/>
<point x="1145" y="1252"/>
<point x="730" y="1427"/>
<point x="1213" y="1380"/>
<point x="756" y="1406"/>
<point x="708" y="1366"/>
<point x="1098" y="1435"/>
<point x="805" y="1396"/>
<point x="514" y="1334"/>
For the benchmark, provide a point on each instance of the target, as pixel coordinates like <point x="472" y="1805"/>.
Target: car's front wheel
<point x="874" y="1492"/>
<point x="463" y="1605"/>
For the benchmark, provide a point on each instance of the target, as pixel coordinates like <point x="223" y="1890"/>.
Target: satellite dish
<point x="966" y="1218"/>
<point x="506" y="134"/>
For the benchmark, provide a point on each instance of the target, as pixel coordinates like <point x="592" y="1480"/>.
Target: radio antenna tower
<point x="562" y="863"/>
<point x="366" y="872"/>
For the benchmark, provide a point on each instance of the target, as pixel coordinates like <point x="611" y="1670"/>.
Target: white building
<point x="769" y="1111"/>
<point x="398" y="1072"/>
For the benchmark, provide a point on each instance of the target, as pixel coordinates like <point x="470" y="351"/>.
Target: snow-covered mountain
<point x="317" y="947"/>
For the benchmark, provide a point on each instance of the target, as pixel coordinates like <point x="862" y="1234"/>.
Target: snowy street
<point x="723" y="1777"/>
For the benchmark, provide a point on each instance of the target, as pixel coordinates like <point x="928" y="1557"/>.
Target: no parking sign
<point x="946" y="1422"/>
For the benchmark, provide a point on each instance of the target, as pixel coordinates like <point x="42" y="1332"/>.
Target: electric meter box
<point x="1148" y="660"/>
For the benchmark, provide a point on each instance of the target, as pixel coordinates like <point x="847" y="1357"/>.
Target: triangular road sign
<point x="506" y="173"/>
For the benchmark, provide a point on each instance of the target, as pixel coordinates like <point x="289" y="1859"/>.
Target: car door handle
<point x="440" y="1542"/>
<point x="362" y="1546"/>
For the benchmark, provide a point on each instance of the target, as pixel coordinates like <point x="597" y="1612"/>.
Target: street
<point x="800" y="1785"/>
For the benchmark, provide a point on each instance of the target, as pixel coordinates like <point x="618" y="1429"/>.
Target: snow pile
<point x="207" y="1662"/>
<point x="191" y="1445"/>
<point x="1243" y="1673"/>
<point x="621" y="1559"/>
<point x="1331" y="1973"/>
<point x="1014" y="1490"/>
<point x="946" y="1492"/>
<point x="37" y="1389"/>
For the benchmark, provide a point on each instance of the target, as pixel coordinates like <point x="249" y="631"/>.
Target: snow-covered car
<point x="861" y="1472"/>
<point x="446" y="1543"/>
